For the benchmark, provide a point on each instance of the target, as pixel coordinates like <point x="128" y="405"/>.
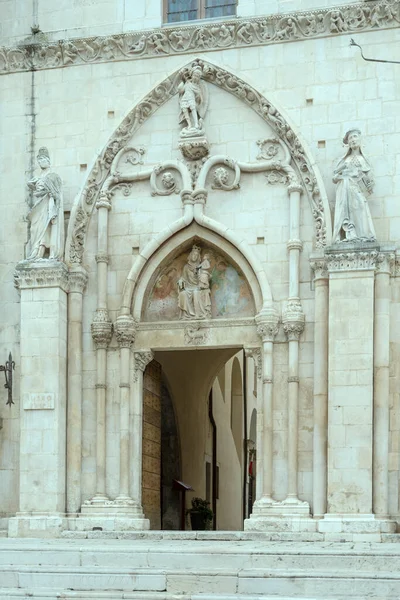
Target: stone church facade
<point x="201" y="267"/>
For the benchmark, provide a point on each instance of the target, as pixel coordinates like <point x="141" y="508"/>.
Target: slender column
<point x="101" y="334"/>
<point x="380" y="481"/>
<point x="256" y="355"/>
<point x="320" y="442"/>
<point x="142" y="359"/>
<point x="125" y="329"/>
<point x="77" y="282"/>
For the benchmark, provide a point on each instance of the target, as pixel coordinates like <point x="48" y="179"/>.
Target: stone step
<point x="72" y="595"/>
<point x="286" y="536"/>
<point x="3" y="533"/>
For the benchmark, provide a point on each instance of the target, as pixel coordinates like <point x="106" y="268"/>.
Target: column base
<point x="37" y="525"/>
<point x="355" y="527"/>
<point x="291" y="514"/>
<point x="102" y="506"/>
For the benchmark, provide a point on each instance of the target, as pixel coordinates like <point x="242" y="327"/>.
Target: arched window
<point x="187" y="10"/>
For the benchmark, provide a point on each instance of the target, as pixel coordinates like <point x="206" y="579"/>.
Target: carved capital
<point x="295" y="186"/>
<point x="295" y="245"/>
<point x="361" y="259"/>
<point x="319" y="267"/>
<point x="102" y="257"/>
<point x="142" y="359"/>
<point x="103" y="201"/>
<point x="385" y="262"/>
<point x="43" y="273"/>
<point x="186" y="197"/>
<point x="293" y="319"/>
<point x="267" y="324"/>
<point x="200" y="196"/>
<point x="255" y="354"/>
<point x="101" y="328"/>
<point x="125" y="331"/>
<point x="78" y="278"/>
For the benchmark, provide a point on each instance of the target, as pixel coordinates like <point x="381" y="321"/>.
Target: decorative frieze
<point x="196" y="334"/>
<point x="358" y="260"/>
<point x="41" y="274"/>
<point x="238" y="33"/>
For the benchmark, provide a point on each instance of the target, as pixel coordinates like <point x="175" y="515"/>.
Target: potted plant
<point x="201" y="514"/>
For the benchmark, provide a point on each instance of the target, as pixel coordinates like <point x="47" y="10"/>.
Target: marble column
<point x="141" y="359"/>
<point x="77" y="282"/>
<point x="42" y="461"/>
<point x="320" y="439"/>
<point x="256" y="355"/>
<point x="101" y="333"/>
<point x="381" y="385"/>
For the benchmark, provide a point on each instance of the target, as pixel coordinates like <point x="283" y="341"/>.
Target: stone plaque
<point x="39" y="401"/>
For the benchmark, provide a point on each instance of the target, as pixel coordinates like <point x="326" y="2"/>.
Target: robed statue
<point x="194" y="296"/>
<point x="353" y="221"/>
<point x="47" y="214"/>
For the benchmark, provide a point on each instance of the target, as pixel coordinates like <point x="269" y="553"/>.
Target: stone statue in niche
<point x="194" y="297"/>
<point x="353" y="221"/>
<point x="193" y="101"/>
<point x="47" y="214"/>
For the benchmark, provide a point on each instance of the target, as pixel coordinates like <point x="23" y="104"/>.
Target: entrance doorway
<point x="196" y="415"/>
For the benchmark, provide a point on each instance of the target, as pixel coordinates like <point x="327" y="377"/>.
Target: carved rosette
<point x="125" y="331"/>
<point x="78" y="278"/>
<point x="293" y="319"/>
<point x="142" y="359"/>
<point x="255" y="354"/>
<point x="41" y="274"/>
<point x="267" y="324"/>
<point x="101" y="328"/>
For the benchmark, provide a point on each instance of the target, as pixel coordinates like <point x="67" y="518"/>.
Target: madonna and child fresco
<point x="199" y="285"/>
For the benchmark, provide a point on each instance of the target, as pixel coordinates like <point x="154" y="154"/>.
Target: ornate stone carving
<point x="142" y="359"/>
<point x="267" y="324"/>
<point x="157" y="97"/>
<point x="196" y="334"/>
<point x="102" y="257"/>
<point x="125" y="331"/>
<point x="134" y="156"/>
<point x="46" y="215"/>
<point x="193" y="101"/>
<point x="270" y="149"/>
<point x="207" y="37"/>
<point x="221" y="177"/>
<point x="255" y="354"/>
<point x="359" y="260"/>
<point x="295" y="245"/>
<point x="41" y="274"/>
<point x="101" y="328"/>
<point x="293" y="319"/>
<point x="194" y="297"/>
<point x="385" y="262"/>
<point x="194" y="148"/>
<point x="168" y="181"/>
<point x="353" y="221"/>
<point x="77" y="279"/>
<point x="319" y="267"/>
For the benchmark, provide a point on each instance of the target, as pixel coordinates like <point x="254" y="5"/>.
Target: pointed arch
<point x="160" y="94"/>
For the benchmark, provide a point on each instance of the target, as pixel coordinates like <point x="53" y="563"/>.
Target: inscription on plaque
<point x="43" y="401"/>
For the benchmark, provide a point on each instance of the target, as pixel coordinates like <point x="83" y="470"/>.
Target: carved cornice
<point x="43" y="273"/>
<point x="220" y="35"/>
<point x="101" y="329"/>
<point x="125" y="331"/>
<point x="78" y="278"/>
<point x="356" y="260"/>
<point x="209" y="323"/>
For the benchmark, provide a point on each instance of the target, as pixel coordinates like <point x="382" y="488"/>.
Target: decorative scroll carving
<point x="157" y="97"/>
<point x="168" y="182"/>
<point x="221" y="177"/>
<point x="134" y="156"/>
<point x="101" y="328"/>
<point x="125" y="331"/>
<point x="196" y="334"/>
<point x="191" y="38"/>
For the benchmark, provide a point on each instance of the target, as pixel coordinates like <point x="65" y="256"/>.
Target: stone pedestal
<point x="42" y="493"/>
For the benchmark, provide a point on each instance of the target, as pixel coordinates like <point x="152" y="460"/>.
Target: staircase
<point x="167" y="566"/>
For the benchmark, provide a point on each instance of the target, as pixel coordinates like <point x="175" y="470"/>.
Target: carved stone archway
<point x="300" y="155"/>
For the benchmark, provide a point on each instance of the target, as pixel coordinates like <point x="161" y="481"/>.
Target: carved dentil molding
<point x="101" y="328"/>
<point x="156" y="98"/>
<point x="217" y="35"/>
<point x="42" y="273"/>
<point x="125" y="331"/>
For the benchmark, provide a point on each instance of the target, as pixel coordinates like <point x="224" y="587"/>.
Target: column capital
<point x="43" y="273"/>
<point x="255" y="354"/>
<point x="295" y="186"/>
<point x="102" y="257"/>
<point x="101" y="328"/>
<point x="125" y="330"/>
<point x="267" y="322"/>
<point x="142" y="359"/>
<point x="319" y="266"/>
<point x="352" y="257"/>
<point x="78" y="278"/>
<point x="295" y="245"/>
<point x="200" y="196"/>
<point x="103" y="201"/>
<point x="386" y="262"/>
<point x="293" y="319"/>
